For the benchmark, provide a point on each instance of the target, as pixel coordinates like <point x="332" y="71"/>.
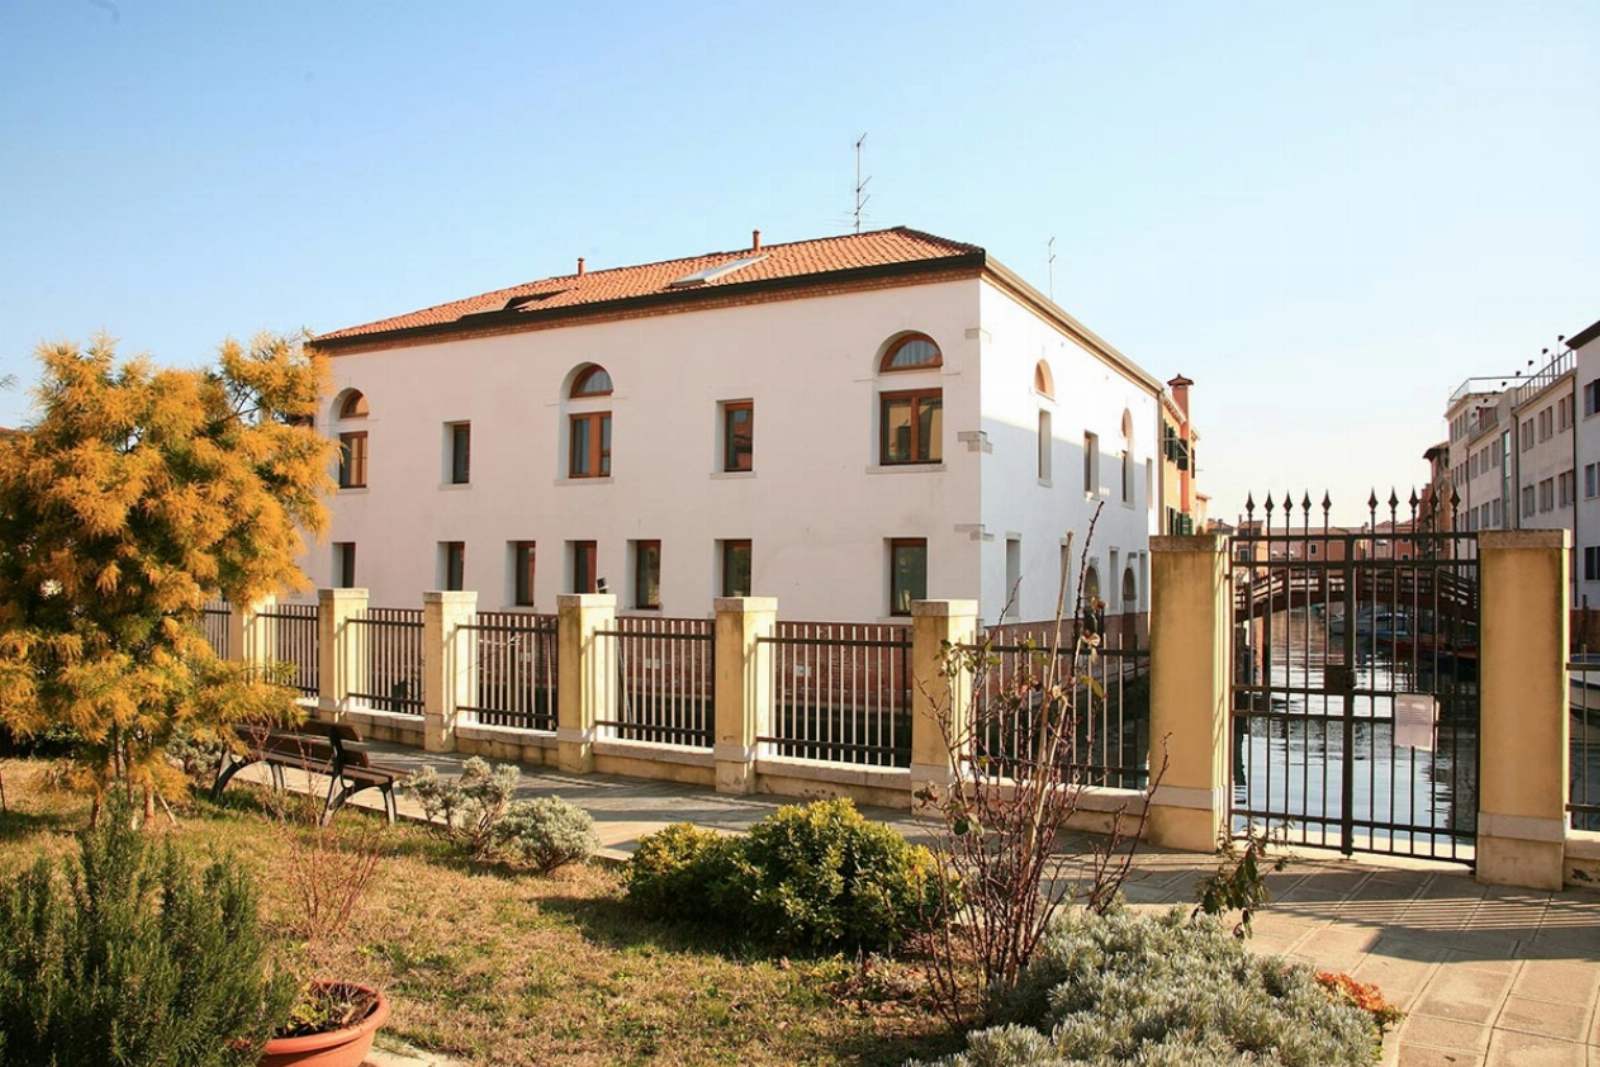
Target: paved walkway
<point x="1486" y="976"/>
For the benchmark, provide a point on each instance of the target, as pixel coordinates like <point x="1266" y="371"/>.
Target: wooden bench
<point x="317" y="748"/>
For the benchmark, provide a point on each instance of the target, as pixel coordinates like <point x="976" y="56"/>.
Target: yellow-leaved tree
<point x="135" y="495"/>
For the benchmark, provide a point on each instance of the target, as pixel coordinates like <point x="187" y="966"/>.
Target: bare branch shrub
<point x="1018" y="782"/>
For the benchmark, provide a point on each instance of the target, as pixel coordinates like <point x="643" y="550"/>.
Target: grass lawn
<point x="501" y="968"/>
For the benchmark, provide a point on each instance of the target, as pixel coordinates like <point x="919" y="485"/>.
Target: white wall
<point x="1588" y="429"/>
<point x="1549" y="458"/>
<point x="817" y="508"/>
<point x="1089" y="396"/>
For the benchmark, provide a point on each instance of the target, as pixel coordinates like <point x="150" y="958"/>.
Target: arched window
<point x="352" y="443"/>
<point x="914" y="351"/>
<point x="592" y="380"/>
<point x="1130" y="590"/>
<point x="1043" y="383"/>
<point x="354" y="405"/>
<point x="1094" y="609"/>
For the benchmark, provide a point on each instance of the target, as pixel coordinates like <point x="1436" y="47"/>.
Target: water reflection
<point x="1290" y="745"/>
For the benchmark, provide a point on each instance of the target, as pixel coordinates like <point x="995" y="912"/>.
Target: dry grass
<point x="506" y="969"/>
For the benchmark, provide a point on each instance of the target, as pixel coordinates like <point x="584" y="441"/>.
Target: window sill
<point x="1046" y="483"/>
<point x="451" y="487"/>
<point x="584" y="481"/>
<point x="906" y="468"/>
<point x="732" y="476"/>
<point x="353" y="490"/>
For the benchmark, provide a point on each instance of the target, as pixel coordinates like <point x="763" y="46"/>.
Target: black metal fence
<point x="296" y="644"/>
<point x="1355" y="687"/>
<point x="666" y="680"/>
<point x="1584" y="738"/>
<point x="1102" y="713"/>
<point x="517" y="669"/>
<point x="214" y="625"/>
<point x="841" y="692"/>
<point x="389" y="642"/>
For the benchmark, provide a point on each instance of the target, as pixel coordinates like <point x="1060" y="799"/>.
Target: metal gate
<point x="1355" y="679"/>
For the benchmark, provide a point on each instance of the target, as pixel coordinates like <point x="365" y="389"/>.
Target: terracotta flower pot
<point x="336" y="1048"/>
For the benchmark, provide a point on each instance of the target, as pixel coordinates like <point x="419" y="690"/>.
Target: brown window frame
<point x="453" y="560"/>
<point x="580" y="393"/>
<point x="885" y="364"/>
<point x="916" y="396"/>
<point x="344" y="564"/>
<point x="729" y="409"/>
<point x="598" y="454"/>
<point x="728" y="548"/>
<point x="354" y="405"/>
<point x="639" y="599"/>
<point x="906" y="542"/>
<point x="585" y="550"/>
<point x="351" y="466"/>
<point x="524" y="568"/>
<point x="460" y="453"/>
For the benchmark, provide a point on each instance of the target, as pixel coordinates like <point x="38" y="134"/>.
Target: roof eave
<point x="1584" y="336"/>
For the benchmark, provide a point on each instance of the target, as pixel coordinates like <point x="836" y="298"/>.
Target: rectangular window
<point x="911" y="423"/>
<point x="1565" y="486"/>
<point x="1591" y="479"/>
<point x="1527" y="435"/>
<point x="523" y="562"/>
<point x="738" y="435"/>
<point x="1046" y="446"/>
<point x="1091" y="463"/>
<point x="1499" y="514"/>
<point x="736" y="568"/>
<point x="1547" y="494"/>
<point x="453" y="564"/>
<point x="1527" y="501"/>
<point x="1127" y="477"/>
<point x="1149" y="485"/>
<point x="908" y="573"/>
<point x="647" y="575"/>
<point x="1013" y="590"/>
<point x="1591" y="397"/>
<point x="589" y="449"/>
<point x="1591" y="563"/>
<point x="460" y="453"/>
<point x="353" y="460"/>
<point x="585" y="560"/>
<point x="344" y="564"/>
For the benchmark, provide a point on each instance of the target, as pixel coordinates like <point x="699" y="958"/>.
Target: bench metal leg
<point x="230" y="767"/>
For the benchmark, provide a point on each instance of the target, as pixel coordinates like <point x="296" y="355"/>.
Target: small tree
<point x="1018" y="782"/>
<point x="137" y="494"/>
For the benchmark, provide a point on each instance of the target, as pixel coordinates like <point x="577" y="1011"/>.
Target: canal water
<point x="1289" y="750"/>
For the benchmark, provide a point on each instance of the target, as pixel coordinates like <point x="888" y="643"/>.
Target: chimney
<point x="755" y="240"/>
<point x="580" y="266"/>
<point x="1180" y="393"/>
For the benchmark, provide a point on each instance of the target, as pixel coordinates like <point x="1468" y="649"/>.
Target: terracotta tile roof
<point x="778" y="263"/>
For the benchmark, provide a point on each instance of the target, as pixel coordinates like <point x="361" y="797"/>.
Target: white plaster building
<point x="859" y="420"/>
<point x="1585" y="346"/>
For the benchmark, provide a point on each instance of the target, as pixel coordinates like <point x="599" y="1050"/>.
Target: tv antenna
<point x="861" y="184"/>
<point x="1050" y="248"/>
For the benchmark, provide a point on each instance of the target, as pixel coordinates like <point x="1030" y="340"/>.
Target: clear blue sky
<point x="1324" y="214"/>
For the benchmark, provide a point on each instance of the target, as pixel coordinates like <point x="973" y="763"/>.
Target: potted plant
<point x="327" y="870"/>
<point x="332" y="1025"/>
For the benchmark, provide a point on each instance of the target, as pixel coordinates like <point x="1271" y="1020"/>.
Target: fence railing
<point x="214" y="625"/>
<point x="666" y="680"/>
<point x="841" y="692"/>
<point x="389" y="642"/>
<point x="517" y="669"/>
<point x="296" y="642"/>
<point x="1583" y="801"/>
<point x="1103" y="719"/>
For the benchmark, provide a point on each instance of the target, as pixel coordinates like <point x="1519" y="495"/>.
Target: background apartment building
<point x="847" y="424"/>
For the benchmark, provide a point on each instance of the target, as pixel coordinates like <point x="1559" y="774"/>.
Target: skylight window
<point x="711" y="274"/>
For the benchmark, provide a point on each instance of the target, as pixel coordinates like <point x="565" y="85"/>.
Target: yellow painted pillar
<point x="250" y="636"/>
<point x="1523" y="707"/>
<point x="587" y="669"/>
<point x="341" y="662"/>
<point x="937" y="695"/>
<point x="449" y="664"/>
<point x="744" y="689"/>
<point x="1190" y="633"/>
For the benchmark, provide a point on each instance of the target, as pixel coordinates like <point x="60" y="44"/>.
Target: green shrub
<point x="683" y="872"/>
<point x="819" y="876"/>
<point x="544" y="833"/>
<point x="134" y="960"/>
<point x="1166" y="990"/>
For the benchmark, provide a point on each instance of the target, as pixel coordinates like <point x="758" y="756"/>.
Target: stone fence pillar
<point x="449" y="664"/>
<point x="938" y="695"/>
<point x="744" y="690"/>
<point x="251" y="637"/>
<point x="1523" y="707"/>
<point x="341" y="668"/>
<point x="587" y="671"/>
<point x="1190" y="630"/>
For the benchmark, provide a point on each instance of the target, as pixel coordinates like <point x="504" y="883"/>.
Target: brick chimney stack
<point x="755" y="240"/>
<point x="580" y="266"/>
<point x="1180" y="393"/>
